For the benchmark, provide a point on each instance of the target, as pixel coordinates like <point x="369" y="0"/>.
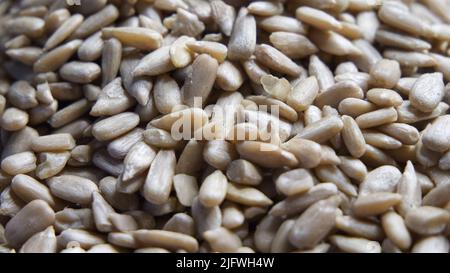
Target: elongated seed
<point x="35" y="217"/>
<point x="314" y="224"/>
<point x="158" y="183"/>
<point x="243" y="37"/>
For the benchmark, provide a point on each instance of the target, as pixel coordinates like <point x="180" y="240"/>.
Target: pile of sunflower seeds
<point x="333" y="133"/>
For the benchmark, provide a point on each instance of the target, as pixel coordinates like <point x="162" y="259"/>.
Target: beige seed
<point x="51" y="164"/>
<point x="111" y="58"/>
<point x="166" y="94"/>
<point x="382" y="179"/>
<point x="223" y="15"/>
<point x="109" y="187"/>
<point x="436" y="137"/>
<point x="17" y="42"/>
<point x="191" y="159"/>
<point x="432" y="244"/>
<point x="405" y="133"/>
<point x="427" y="220"/>
<point x="396" y="230"/>
<point x="85" y="239"/>
<point x="265" y="232"/>
<point x="200" y="82"/>
<point x="229" y="76"/>
<point x="96" y="21"/>
<point x="331" y="173"/>
<point x="385" y="73"/>
<point x="280" y="243"/>
<point x="294" y="182"/>
<point x="402" y="41"/>
<point x="338" y="92"/>
<point x="427" y="92"/>
<point x="180" y="55"/>
<point x="25" y="55"/>
<point x="69" y="113"/>
<point x="277" y="88"/>
<point x="186" y="189"/>
<point x="282" y="23"/>
<point x="296" y="204"/>
<point x="14" y="119"/>
<point x="355" y="107"/>
<point x="409" y="187"/>
<point x="64" y="31"/>
<point x="74" y="218"/>
<point x="29" y="189"/>
<point x="322" y="130"/>
<point x="72" y="188"/>
<point x="205" y="218"/>
<point x="317" y="18"/>
<point x="112" y="100"/>
<point x="261" y="8"/>
<point x="80" y="72"/>
<point x="408" y="114"/>
<point x="359" y="228"/>
<point x="214" y="49"/>
<point x="314" y="224"/>
<point x="35" y="217"/>
<point x="377" y="118"/>
<point x="119" y="147"/>
<point x="115" y="126"/>
<point x="233" y="216"/>
<point x="353" y="168"/>
<point x="19" y="163"/>
<point x="19" y="141"/>
<point x="375" y="203"/>
<point x="438" y="196"/>
<point x="306" y="151"/>
<point x="303" y="94"/>
<point x="276" y="60"/>
<point x="10" y="204"/>
<point x="41" y="242"/>
<point x="53" y="143"/>
<point x="101" y="211"/>
<point x="265" y="154"/>
<point x="155" y="63"/>
<point x="353" y="137"/>
<point x="57" y="57"/>
<point x="213" y="189"/>
<point x="408" y="58"/>
<point x="187" y="23"/>
<point x="219" y="153"/>
<point x="222" y="240"/>
<point x="195" y="117"/>
<point x="158" y="183"/>
<point x="321" y="71"/>
<point x="292" y="45"/>
<point x="101" y="159"/>
<point x="243" y="172"/>
<point x="91" y="48"/>
<point x="165" y="239"/>
<point x="22" y="95"/>
<point x="404" y="20"/>
<point x="137" y="37"/>
<point x="137" y="160"/>
<point x="247" y="196"/>
<point x="181" y="223"/>
<point x="333" y="43"/>
<point x="355" y="245"/>
<point x="381" y="140"/>
<point x="243" y="37"/>
<point x="28" y="25"/>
